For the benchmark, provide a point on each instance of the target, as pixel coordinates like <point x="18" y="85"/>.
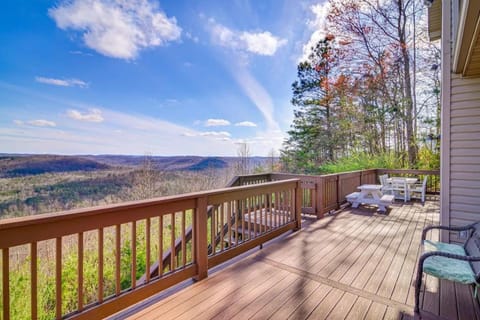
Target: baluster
<point x="173" y="253"/>
<point x="249" y="215"/>
<point x="242" y="218"/>
<point x="58" y="277"/>
<point x="213" y="228"/>
<point x="229" y="222"/>
<point x="160" y="246"/>
<point x="255" y="217"/>
<point x="277" y="209"/>
<point x="147" y="249"/>
<point x="6" y="283"/>
<point x="100" y="265"/>
<point x="33" y="283"/>
<point x="117" y="259"/>
<point x="222" y="223"/>
<point x="236" y="211"/>
<point x="134" y="255"/>
<point x="80" y="271"/>
<point x="184" y="242"/>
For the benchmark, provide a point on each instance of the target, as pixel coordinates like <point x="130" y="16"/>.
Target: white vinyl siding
<point x="464" y="151"/>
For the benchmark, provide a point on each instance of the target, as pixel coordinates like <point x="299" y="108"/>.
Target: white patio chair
<point x="399" y="189"/>
<point x="418" y="190"/>
<point x="386" y="186"/>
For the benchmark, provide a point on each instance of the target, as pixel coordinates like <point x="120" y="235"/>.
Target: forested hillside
<point x="32" y="184"/>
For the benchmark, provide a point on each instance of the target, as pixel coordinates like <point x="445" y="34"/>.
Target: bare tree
<point x="243" y="153"/>
<point x="273" y="159"/>
<point x="146" y="180"/>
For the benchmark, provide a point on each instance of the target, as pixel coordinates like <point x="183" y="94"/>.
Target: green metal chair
<point x="458" y="263"/>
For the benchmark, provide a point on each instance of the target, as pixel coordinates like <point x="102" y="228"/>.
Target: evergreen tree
<point x="310" y="140"/>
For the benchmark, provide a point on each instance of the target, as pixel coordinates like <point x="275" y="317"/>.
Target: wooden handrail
<point x="235" y="182"/>
<point x="57" y="227"/>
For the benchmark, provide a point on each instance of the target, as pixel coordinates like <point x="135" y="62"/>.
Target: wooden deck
<point x="356" y="264"/>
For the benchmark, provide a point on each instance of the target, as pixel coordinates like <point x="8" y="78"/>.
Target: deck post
<point x="298" y="205"/>
<point x="201" y="241"/>
<point x="319" y="188"/>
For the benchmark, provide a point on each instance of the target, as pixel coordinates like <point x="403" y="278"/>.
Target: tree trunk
<point x="411" y="143"/>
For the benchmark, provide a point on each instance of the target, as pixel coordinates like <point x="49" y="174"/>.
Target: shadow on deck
<point x="356" y="264"/>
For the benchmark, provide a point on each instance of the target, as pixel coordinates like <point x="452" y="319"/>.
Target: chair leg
<point x="418" y="286"/>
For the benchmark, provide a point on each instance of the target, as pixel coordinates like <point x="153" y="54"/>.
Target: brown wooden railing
<point x="324" y="193"/>
<point x="242" y="218"/>
<point x="433" y="177"/>
<point x="184" y="234"/>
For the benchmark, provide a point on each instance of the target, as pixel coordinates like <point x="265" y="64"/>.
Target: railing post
<point x="201" y="241"/>
<point x="319" y="194"/>
<point x="339" y="188"/>
<point x="298" y="205"/>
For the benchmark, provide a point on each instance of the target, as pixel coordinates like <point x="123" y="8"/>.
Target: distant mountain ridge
<point x="17" y="166"/>
<point x="14" y="165"/>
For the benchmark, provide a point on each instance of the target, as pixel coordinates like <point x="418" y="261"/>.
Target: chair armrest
<point x="462" y="228"/>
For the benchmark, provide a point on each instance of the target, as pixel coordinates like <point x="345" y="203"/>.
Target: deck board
<point x="356" y="264"/>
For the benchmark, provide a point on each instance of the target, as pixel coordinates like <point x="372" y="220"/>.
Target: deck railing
<point x="324" y="193"/>
<point x="140" y="248"/>
<point x="433" y="177"/>
<point x="121" y="241"/>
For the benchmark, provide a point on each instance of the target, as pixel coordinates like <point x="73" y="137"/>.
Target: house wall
<point x="464" y="151"/>
<point x="460" y="156"/>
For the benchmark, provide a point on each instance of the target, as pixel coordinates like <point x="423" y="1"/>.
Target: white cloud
<point x="95" y="115"/>
<point x="245" y="124"/>
<point x="261" y="43"/>
<point x="118" y="29"/>
<point x="216" y="123"/>
<point x="317" y="26"/>
<point x="62" y="82"/>
<point x="18" y="122"/>
<point x="221" y="134"/>
<point x="42" y="123"/>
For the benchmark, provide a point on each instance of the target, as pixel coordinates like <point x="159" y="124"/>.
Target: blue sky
<point x="150" y="77"/>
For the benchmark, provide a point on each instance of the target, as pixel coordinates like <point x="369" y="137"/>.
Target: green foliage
<point x="361" y="161"/>
<point x="428" y="158"/>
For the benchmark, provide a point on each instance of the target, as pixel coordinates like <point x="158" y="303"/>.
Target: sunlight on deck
<point x="356" y="264"/>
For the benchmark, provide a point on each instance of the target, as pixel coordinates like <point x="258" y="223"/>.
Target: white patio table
<point x="372" y="194"/>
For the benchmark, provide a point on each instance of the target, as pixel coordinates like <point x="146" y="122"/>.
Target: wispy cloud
<point x="260" y="43"/>
<point x="245" y="124"/>
<point x="215" y="134"/>
<point x="81" y="53"/>
<point x="36" y="123"/>
<point x="62" y="82"/>
<point x="42" y="123"/>
<point x="118" y="29"/>
<point x="216" y="123"/>
<point x="94" y="115"/>
<point x="257" y="94"/>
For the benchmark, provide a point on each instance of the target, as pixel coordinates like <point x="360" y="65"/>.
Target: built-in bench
<point x="355" y="198"/>
<point x="352" y="196"/>
<point x="458" y="263"/>
<point x="387" y="199"/>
